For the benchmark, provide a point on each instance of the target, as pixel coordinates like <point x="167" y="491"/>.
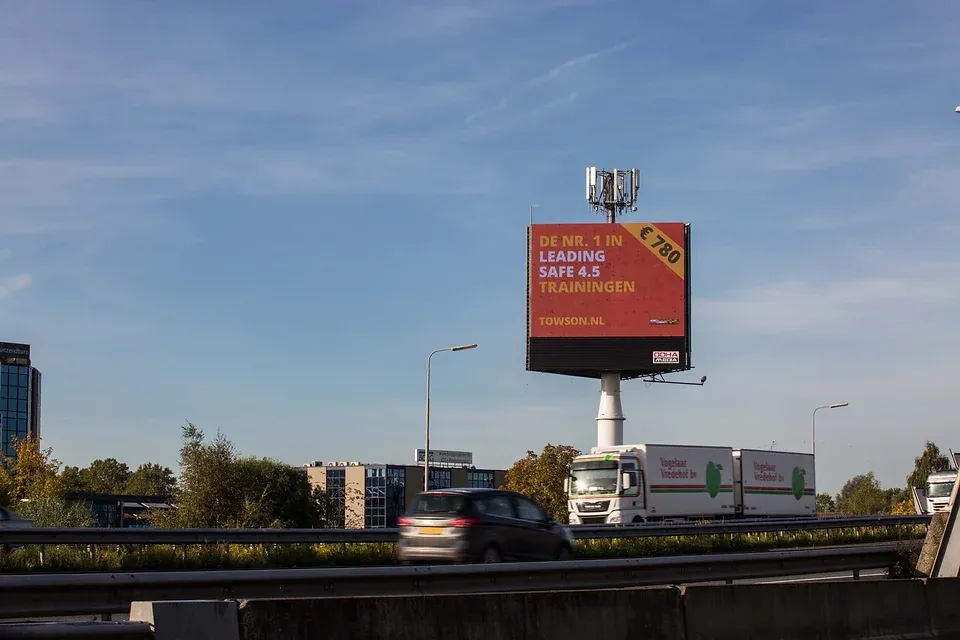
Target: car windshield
<point x="591" y="478"/>
<point x="939" y="489"/>
<point x="438" y="504"/>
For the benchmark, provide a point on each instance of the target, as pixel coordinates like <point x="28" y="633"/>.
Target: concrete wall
<point x="848" y="610"/>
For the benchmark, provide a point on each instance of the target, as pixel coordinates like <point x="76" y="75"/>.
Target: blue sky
<point x="263" y="218"/>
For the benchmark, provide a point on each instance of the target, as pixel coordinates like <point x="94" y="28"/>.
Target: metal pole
<point x="813" y="437"/>
<point x="426" y="444"/>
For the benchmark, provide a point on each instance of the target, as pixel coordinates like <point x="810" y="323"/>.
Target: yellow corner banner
<point x="662" y="246"/>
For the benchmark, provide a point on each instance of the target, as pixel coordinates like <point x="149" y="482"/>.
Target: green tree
<point x="863" y="495"/>
<point x="826" y="503"/>
<point x="72" y="480"/>
<point x="57" y="512"/>
<point x="32" y="475"/>
<point x="930" y="461"/>
<point x="219" y="488"/>
<point x="105" y="476"/>
<point x="151" y="479"/>
<point x="541" y="477"/>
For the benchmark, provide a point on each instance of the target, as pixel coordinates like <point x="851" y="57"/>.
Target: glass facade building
<point x="19" y="397"/>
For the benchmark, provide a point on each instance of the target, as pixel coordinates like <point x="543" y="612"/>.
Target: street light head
<point x="958" y="109"/>
<point x="463" y="347"/>
<point x="839" y="404"/>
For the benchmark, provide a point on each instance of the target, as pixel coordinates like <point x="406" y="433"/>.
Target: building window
<point x="441" y="478"/>
<point x="481" y="480"/>
<point x="396" y="494"/>
<point x="336" y="494"/>
<point x="375" y="499"/>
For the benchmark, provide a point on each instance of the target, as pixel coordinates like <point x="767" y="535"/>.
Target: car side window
<point x="528" y="510"/>
<point x="499" y="506"/>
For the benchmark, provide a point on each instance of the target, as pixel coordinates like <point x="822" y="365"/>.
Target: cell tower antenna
<point x="614" y="191"/>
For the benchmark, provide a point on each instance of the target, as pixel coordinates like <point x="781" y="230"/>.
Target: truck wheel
<point x="637" y="520"/>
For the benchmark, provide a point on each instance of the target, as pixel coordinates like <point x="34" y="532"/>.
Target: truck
<point x="639" y="483"/>
<point x="939" y="488"/>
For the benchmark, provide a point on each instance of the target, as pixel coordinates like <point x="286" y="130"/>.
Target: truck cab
<point x="606" y="487"/>
<point x="939" y="489"/>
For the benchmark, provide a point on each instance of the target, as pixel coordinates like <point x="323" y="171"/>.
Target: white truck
<point x="939" y="488"/>
<point x="654" y="482"/>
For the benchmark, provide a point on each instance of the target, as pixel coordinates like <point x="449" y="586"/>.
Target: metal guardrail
<point x="78" y="630"/>
<point x="92" y="536"/>
<point x="95" y="593"/>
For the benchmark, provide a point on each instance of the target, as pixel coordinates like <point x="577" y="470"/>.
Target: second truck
<point x="656" y="482"/>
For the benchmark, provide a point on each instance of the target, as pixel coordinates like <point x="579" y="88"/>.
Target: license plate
<point x="431" y="531"/>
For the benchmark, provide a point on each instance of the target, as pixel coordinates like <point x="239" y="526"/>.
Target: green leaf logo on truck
<point x="799" y="481"/>
<point x="713" y="478"/>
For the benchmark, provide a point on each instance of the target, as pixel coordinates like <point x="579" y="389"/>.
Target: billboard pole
<point x="615" y="192"/>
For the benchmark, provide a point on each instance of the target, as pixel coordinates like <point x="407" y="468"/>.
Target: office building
<point x="373" y="496"/>
<point x="19" y="396"/>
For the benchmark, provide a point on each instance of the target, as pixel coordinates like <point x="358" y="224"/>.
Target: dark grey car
<point x="479" y="525"/>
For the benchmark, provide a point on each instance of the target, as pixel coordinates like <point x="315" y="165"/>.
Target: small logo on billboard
<point x="664" y="321"/>
<point x="666" y="357"/>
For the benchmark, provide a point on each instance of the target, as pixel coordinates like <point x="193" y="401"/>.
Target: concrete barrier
<point x="860" y="610"/>
<point x="849" y="610"/>
<point x="651" y="614"/>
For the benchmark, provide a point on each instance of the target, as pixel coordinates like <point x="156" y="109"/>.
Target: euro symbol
<point x="645" y="232"/>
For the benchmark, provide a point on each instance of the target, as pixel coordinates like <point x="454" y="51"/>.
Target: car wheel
<point x="491" y="554"/>
<point x="563" y="554"/>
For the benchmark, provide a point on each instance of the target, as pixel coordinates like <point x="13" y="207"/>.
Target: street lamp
<point x="426" y="448"/>
<point x="826" y="406"/>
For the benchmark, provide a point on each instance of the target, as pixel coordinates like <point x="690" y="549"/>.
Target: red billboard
<point x="608" y="297"/>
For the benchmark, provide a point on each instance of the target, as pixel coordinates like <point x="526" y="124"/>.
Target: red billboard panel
<point x="608" y="297"/>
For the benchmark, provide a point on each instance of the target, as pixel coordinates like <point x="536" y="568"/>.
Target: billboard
<point x="442" y="456"/>
<point x="608" y="297"/>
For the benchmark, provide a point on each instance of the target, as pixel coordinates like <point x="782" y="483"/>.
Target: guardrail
<point x="98" y="593"/>
<point x="92" y="536"/>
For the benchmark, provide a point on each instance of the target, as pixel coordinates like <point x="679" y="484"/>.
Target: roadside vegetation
<point x="63" y="558"/>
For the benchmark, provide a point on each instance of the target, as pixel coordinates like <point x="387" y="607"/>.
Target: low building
<point x="373" y="496"/>
<point x="120" y="511"/>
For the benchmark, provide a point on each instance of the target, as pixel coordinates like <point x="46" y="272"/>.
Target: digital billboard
<point x="608" y="297"/>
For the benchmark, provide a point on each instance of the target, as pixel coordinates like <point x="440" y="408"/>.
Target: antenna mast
<point x="614" y="192"/>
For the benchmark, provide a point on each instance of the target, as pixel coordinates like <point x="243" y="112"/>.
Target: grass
<point x="65" y="558"/>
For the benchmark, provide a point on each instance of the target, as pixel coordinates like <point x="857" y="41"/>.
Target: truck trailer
<point x="658" y="482"/>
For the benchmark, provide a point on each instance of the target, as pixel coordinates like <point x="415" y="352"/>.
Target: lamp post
<point x="426" y="448"/>
<point x="836" y="405"/>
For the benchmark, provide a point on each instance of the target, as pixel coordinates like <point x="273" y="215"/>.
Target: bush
<point x="63" y="558"/>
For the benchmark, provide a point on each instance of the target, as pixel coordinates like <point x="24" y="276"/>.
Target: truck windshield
<point x="939" y="489"/>
<point x="591" y="478"/>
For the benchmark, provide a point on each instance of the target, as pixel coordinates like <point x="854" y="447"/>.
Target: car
<point x="10" y="520"/>
<point x="479" y="525"/>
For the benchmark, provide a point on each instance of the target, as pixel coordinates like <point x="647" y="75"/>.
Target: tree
<point x="930" y="461"/>
<point x="541" y="477"/>
<point x="826" y="503"/>
<point x="105" y="476"/>
<point x="32" y="475"/>
<point x="57" y="512"/>
<point x="151" y="479"/>
<point x="72" y="480"/>
<point x="862" y="495"/>
<point x="218" y="488"/>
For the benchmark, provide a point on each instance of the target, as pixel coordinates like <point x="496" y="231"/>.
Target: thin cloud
<point x="10" y="285"/>
<point x="552" y="74"/>
<point x="907" y="297"/>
